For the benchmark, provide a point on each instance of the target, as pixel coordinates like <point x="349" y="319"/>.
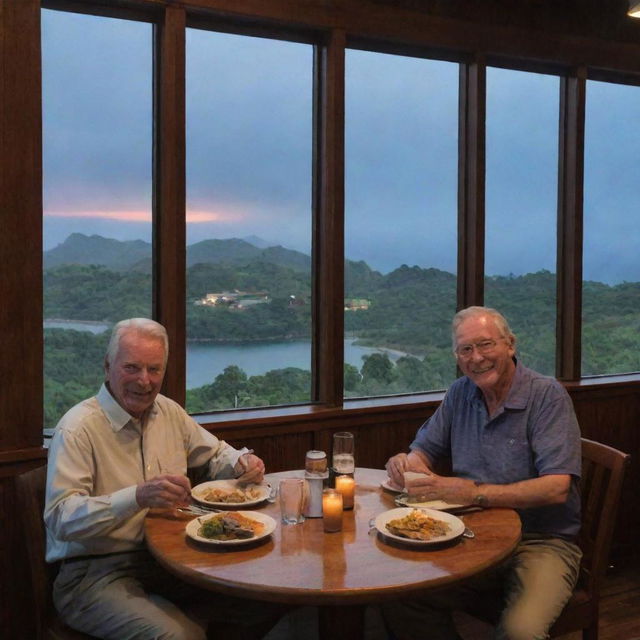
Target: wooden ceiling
<point x="606" y="19"/>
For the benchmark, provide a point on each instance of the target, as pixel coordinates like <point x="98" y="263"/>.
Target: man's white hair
<point x="471" y="312"/>
<point x="144" y="326"/>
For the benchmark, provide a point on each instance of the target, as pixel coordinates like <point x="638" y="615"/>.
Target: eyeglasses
<point x="483" y="347"/>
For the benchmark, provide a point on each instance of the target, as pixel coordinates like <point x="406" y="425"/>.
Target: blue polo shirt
<point x="535" y="433"/>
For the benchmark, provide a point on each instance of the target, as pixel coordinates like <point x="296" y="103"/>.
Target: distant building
<point x="295" y="301"/>
<point x="234" y="299"/>
<point x="355" y="304"/>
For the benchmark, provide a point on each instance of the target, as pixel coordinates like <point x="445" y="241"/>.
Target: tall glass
<point x="292" y="500"/>
<point x="343" y="453"/>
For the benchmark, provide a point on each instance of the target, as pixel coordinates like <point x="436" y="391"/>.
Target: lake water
<point x="205" y="360"/>
<point x="85" y="325"/>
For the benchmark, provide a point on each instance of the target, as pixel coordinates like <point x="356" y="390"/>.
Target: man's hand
<point x="250" y="469"/>
<point x="435" y="487"/>
<point x="401" y="462"/>
<point x="164" y="491"/>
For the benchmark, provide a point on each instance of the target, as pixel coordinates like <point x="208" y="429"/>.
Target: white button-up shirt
<point x="98" y="456"/>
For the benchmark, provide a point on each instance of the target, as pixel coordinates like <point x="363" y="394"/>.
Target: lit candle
<point x="346" y="486"/>
<point x="331" y="510"/>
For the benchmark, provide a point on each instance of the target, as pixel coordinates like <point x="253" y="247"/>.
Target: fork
<point x="197" y="511"/>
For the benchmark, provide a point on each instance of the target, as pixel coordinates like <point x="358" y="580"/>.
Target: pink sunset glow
<point x="193" y="217"/>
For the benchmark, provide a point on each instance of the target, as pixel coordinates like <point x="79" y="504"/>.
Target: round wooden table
<point x="338" y="572"/>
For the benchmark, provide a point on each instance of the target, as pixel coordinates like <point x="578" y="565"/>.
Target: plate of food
<point x="419" y="527"/>
<point x="230" y="493"/>
<point x="231" y="527"/>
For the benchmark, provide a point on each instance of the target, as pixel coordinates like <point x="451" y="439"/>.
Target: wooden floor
<point x="619" y="614"/>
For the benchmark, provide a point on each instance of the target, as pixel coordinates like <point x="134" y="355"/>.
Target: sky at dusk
<point x="249" y="144"/>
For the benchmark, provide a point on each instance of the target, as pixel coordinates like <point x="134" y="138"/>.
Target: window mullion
<point x="328" y="226"/>
<point x="471" y="183"/>
<point x="570" y="225"/>
<point x="169" y="246"/>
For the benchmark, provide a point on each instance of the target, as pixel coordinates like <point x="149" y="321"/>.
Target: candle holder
<point x="345" y="484"/>
<point x="331" y="510"/>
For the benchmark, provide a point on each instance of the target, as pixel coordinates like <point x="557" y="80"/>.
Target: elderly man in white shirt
<point x="113" y="457"/>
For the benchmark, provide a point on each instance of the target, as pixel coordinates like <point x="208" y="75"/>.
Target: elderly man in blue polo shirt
<point x="514" y="441"/>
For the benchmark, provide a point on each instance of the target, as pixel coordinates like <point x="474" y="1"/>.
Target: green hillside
<point x="410" y="310"/>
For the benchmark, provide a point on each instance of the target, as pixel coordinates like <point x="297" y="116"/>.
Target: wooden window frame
<point x="334" y="27"/>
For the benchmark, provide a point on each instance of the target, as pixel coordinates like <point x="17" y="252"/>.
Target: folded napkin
<point x="409" y="476"/>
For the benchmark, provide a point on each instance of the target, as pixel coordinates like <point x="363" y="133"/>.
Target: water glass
<point x="343" y="452"/>
<point x="291" y="500"/>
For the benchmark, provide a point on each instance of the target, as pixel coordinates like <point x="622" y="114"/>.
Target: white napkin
<point x="412" y="475"/>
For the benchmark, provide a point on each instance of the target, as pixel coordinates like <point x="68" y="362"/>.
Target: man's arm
<point x="536" y="492"/>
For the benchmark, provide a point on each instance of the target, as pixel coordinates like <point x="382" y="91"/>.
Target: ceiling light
<point x="634" y="8"/>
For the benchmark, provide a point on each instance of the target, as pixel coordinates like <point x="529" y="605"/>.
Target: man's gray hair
<point x="144" y="326"/>
<point x="471" y="312"/>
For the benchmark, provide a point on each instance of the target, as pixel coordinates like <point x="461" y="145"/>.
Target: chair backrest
<point x="30" y="488"/>
<point x="603" y="470"/>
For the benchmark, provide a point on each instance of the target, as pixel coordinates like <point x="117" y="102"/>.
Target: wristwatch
<point x="481" y="500"/>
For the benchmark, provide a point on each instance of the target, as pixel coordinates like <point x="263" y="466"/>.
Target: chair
<point x="30" y="488"/>
<point x="603" y="470"/>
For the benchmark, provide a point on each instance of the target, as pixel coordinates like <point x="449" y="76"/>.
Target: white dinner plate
<point x="198" y="492"/>
<point x="405" y="500"/>
<point x="269" y="525"/>
<point x="456" y="526"/>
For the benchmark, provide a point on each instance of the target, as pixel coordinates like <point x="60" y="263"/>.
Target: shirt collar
<point x="117" y="416"/>
<point x="518" y="395"/>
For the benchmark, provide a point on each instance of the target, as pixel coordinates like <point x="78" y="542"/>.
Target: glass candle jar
<point x="331" y="510"/>
<point x="346" y="486"/>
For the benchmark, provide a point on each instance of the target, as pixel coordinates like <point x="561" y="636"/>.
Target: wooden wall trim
<point x="21" y="223"/>
<point x="559" y="36"/>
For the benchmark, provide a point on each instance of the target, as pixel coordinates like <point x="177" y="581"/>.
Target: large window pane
<point x="97" y="128"/>
<point x="400" y="223"/>
<point x="611" y="266"/>
<point x="521" y="208"/>
<point x="249" y="178"/>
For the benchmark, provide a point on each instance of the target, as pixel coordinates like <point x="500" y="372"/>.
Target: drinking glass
<point x="291" y="500"/>
<point x="343" y="452"/>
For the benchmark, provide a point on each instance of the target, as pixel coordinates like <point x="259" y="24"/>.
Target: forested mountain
<point x="123" y="255"/>
<point x="79" y="248"/>
<point x="410" y="310"/>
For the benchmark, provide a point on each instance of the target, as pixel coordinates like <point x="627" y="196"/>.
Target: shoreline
<point x="393" y="353"/>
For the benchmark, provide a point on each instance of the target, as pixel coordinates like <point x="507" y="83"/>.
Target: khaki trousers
<point x="530" y="589"/>
<point x="127" y="596"/>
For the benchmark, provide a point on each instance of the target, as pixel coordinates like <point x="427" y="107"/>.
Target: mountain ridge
<point x="125" y="255"/>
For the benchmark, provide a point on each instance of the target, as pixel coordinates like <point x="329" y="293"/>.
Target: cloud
<point x="123" y="216"/>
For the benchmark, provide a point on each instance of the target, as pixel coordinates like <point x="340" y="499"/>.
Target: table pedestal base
<point x="343" y="622"/>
